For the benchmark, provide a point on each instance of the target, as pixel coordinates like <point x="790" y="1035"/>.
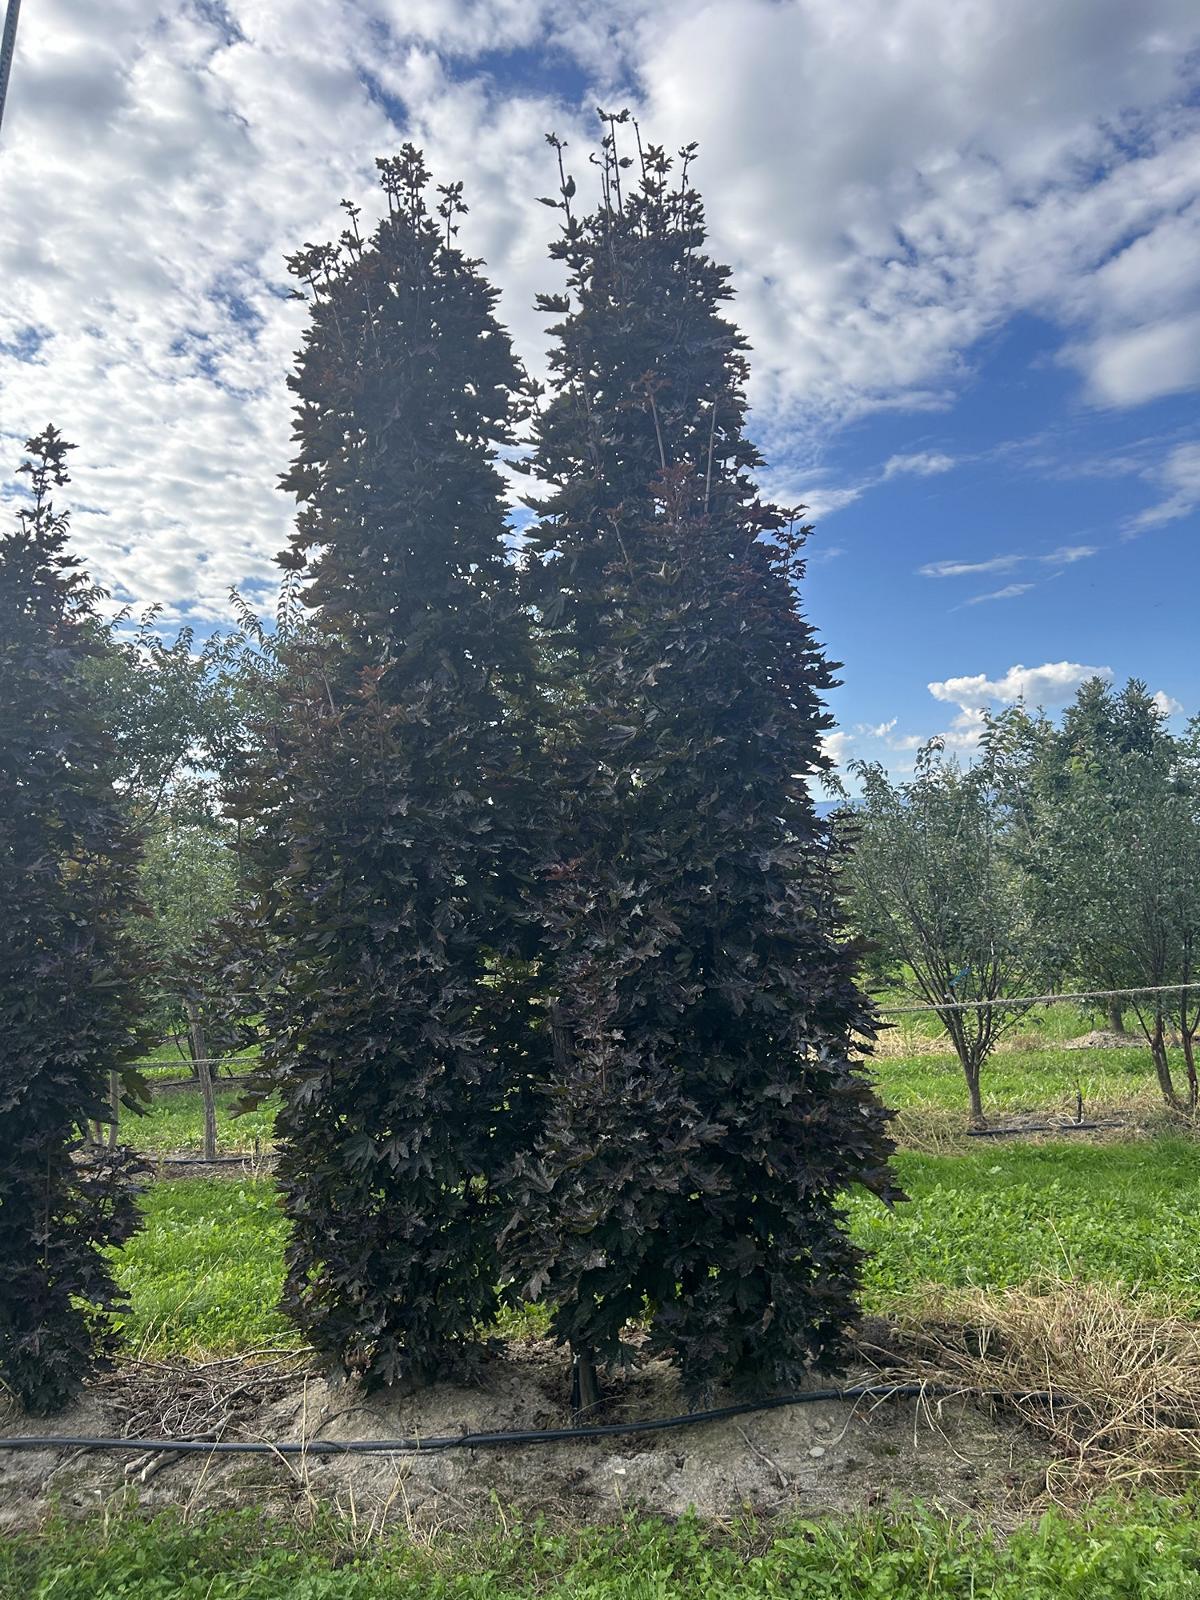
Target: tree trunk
<point x="114" y="1101"/>
<point x="1162" y="1064"/>
<point x="585" y="1385"/>
<point x="560" y="1040"/>
<point x="1189" y="1056"/>
<point x="1116" y="1016"/>
<point x="971" y="1074"/>
<point x="199" y="1049"/>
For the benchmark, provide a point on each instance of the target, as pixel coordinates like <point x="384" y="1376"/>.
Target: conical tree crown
<point x="647" y="374"/>
<point x="68" y="998"/>
<point x="709" y="1109"/>
<point x="397" y="804"/>
<point x="406" y="388"/>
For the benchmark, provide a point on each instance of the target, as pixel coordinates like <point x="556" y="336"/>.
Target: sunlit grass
<point x="1116" y="1550"/>
<point x="175" y="1121"/>
<point x="205" y="1273"/>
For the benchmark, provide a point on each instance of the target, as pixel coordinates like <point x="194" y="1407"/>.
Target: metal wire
<point x="1006" y="1002"/>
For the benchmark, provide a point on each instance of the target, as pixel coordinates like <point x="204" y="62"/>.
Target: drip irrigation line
<point x="208" y="1161"/>
<point x="1037" y="1127"/>
<point x="416" y="1444"/>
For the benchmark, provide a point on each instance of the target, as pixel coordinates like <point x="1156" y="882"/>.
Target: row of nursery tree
<point x="530" y="902"/>
<point x="509" y="858"/>
<point x="1067" y="856"/>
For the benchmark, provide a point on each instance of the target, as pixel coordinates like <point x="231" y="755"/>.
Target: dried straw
<point x="1123" y="1376"/>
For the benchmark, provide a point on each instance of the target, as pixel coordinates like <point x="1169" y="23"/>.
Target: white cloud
<point x="878" y="730"/>
<point x="962" y="569"/>
<point x="1064" y="556"/>
<point x="965" y="732"/>
<point x="818" y="555"/>
<point x="1144" y="363"/>
<point x="838" y="747"/>
<point x="823" y="503"/>
<point x="1145" y="304"/>
<point x="1010" y="591"/>
<point x="923" y="464"/>
<point x="144" y="220"/>
<point x="1052" y="684"/>
<point x="1179" y="479"/>
<point x="961" y="164"/>
<point x="1166" y="703"/>
<point x="1068" y="554"/>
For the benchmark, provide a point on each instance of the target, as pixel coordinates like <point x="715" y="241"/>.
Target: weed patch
<point x="205" y="1274"/>
<point x="1118" y="1213"/>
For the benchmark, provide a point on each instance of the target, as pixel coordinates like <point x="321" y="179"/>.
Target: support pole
<point x="6" y="50"/>
<point x="202" y="1063"/>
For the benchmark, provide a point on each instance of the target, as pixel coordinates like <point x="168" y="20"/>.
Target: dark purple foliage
<point x="68" y="1000"/>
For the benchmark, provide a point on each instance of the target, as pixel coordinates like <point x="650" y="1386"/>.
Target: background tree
<point x="937" y="883"/>
<point x="704" y="1111"/>
<point x="190" y="883"/>
<point x="1040" y="767"/>
<point x="397" y="805"/>
<point x="165" y="706"/>
<point x="69" y="998"/>
<point x="1104" y="812"/>
<point x="178" y="713"/>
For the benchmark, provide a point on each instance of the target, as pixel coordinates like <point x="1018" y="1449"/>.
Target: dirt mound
<point x="823" y="1456"/>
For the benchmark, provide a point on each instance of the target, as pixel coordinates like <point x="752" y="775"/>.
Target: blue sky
<point x="966" y="242"/>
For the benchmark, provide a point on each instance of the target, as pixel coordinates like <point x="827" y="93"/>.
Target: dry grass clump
<point x="1114" y="1383"/>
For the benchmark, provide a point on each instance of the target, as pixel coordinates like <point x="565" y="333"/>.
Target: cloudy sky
<point x="966" y="239"/>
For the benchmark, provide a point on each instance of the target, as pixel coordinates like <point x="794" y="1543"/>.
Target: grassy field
<point x="1045" y="1077"/>
<point x="1150" y="1548"/>
<point x="175" y="1121"/>
<point x="203" y="1276"/>
<point x="1011" y="1214"/>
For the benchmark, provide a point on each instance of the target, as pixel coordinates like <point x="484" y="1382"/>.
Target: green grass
<point x="1007" y="1215"/>
<point x="1016" y="1080"/>
<point x="205" y="1272"/>
<point x="175" y="1121"/>
<point x="1146" y="1550"/>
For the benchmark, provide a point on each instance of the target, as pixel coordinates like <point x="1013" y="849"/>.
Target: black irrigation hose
<point x="208" y="1161"/>
<point x="479" y="1441"/>
<point x="1037" y="1127"/>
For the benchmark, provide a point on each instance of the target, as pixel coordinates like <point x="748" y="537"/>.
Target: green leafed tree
<point x="1105" y="811"/>
<point x="939" y="884"/>
<point x="705" y="1109"/>
<point x="163" y="701"/>
<point x="193" y="938"/>
<point x="68" y="982"/>
<point x="396" y="807"/>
